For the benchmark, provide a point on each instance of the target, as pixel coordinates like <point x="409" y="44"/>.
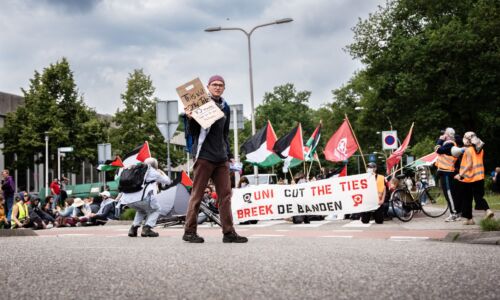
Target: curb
<point x="17" y="232"/>
<point x="483" y="238"/>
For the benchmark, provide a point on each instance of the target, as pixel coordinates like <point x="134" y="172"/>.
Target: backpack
<point x="133" y="178"/>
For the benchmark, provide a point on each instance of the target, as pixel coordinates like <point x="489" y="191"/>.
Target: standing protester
<point x="55" y="191"/>
<point x="446" y="171"/>
<point x="379" y="213"/>
<point x="471" y="175"/>
<point x="144" y="201"/>
<point x="211" y="152"/>
<point x="8" y="189"/>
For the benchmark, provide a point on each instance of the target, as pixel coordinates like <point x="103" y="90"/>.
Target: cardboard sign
<point x="340" y="195"/>
<point x="195" y="99"/>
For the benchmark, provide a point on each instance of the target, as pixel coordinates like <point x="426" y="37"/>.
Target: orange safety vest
<point x="446" y="162"/>
<point x="471" y="167"/>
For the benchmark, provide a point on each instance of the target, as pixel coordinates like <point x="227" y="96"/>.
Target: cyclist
<point x="378" y="214"/>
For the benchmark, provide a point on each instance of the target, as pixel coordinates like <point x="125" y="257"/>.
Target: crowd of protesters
<point x="28" y="211"/>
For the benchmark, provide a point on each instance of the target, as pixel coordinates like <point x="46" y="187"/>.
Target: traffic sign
<point x="389" y="140"/>
<point x="66" y="149"/>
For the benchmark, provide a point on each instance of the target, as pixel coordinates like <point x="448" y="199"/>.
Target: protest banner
<point x="341" y="195"/>
<point x="196" y="100"/>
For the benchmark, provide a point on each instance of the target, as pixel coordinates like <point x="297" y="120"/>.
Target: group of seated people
<point x="29" y="212"/>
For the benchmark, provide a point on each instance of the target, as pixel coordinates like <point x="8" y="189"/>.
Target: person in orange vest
<point x="471" y="176"/>
<point x="445" y="164"/>
<point x="379" y="213"/>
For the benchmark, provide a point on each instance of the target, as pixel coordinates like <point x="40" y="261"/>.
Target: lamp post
<point x="248" y="35"/>
<point x="46" y="163"/>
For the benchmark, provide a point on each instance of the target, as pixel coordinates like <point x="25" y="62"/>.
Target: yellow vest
<point x="446" y="162"/>
<point x="471" y="167"/>
<point x="23" y="210"/>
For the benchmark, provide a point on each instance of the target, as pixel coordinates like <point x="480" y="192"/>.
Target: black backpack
<point x="132" y="178"/>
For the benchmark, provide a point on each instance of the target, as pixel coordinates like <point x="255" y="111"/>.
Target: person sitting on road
<point x="21" y="217"/>
<point x="106" y="210"/>
<point x="4" y="223"/>
<point x="378" y="214"/>
<point x="47" y="206"/>
<point x="210" y="202"/>
<point x="81" y="213"/>
<point x="36" y="211"/>
<point x="64" y="216"/>
<point x="243" y="182"/>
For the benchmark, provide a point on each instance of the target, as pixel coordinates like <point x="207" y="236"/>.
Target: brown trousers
<point x="219" y="172"/>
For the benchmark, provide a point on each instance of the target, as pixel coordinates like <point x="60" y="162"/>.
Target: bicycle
<point x="405" y="204"/>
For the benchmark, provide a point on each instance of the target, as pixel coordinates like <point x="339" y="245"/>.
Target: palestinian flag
<point x="427" y="160"/>
<point x="184" y="180"/>
<point x="139" y="154"/>
<point x="291" y="147"/>
<point x="312" y="143"/>
<point x="338" y="172"/>
<point x="259" y="148"/>
<point x="111" y="165"/>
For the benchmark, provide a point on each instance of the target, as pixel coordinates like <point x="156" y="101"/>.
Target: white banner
<point x="340" y="195"/>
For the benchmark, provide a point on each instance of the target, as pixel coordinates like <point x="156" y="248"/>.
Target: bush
<point x="128" y="214"/>
<point x="490" y="224"/>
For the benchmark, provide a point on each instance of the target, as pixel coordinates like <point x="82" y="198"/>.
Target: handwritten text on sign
<point x="342" y="195"/>
<point x="196" y="100"/>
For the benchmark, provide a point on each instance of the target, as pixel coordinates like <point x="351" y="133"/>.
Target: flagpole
<point x="310" y="167"/>
<point x="356" y="139"/>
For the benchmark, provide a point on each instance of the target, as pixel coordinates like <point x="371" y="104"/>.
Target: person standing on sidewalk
<point x="212" y="153"/>
<point x="471" y="175"/>
<point x="8" y="189"/>
<point x="380" y="212"/>
<point x="446" y="171"/>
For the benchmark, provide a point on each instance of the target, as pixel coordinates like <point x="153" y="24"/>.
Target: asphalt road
<point x="270" y="266"/>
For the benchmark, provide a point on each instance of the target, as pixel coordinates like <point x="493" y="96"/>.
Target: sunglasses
<point x="217" y="85"/>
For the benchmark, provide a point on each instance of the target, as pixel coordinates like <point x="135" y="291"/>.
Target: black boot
<point x="233" y="237"/>
<point x="192" y="238"/>
<point x="147" y="232"/>
<point x="133" y="231"/>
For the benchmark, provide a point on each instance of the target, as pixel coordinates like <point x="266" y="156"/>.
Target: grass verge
<point x="490" y="224"/>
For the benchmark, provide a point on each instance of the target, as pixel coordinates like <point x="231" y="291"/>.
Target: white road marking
<point x="337" y="236"/>
<point x="358" y="223"/>
<point x="73" y="234"/>
<point x="312" y="224"/>
<point x="408" y="238"/>
<point x="264" y="224"/>
<point x="266" y="235"/>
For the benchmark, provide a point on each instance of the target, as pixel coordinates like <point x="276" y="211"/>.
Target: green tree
<point x="434" y="63"/>
<point x="136" y="122"/>
<point x="52" y="105"/>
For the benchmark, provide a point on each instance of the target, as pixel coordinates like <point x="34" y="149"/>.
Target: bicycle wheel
<point x="433" y="203"/>
<point x="401" y="204"/>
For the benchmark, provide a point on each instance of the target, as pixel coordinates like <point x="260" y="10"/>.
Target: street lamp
<point x="46" y="163"/>
<point x="248" y="35"/>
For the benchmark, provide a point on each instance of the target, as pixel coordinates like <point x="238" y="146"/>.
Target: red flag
<point x="117" y="162"/>
<point x="342" y="144"/>
<point x="398" y="153"/>
<point x="185" y="180"/>
<point x="144" y="152"/>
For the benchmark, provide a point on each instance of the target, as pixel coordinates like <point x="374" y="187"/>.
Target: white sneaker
<point x="451" y="218"/>
<point x="50" y="226"/>
<point x="489" y="214"/>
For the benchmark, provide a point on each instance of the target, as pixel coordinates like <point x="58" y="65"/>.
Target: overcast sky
<point x="105" y="40"/>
